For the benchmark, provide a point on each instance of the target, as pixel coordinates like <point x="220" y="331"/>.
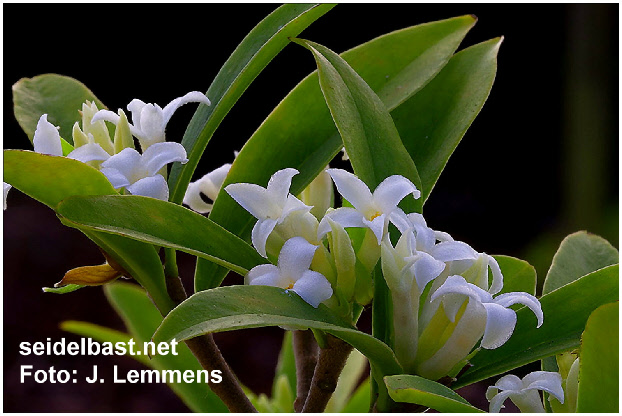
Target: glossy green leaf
<point x="58" y="96"/>
<point x="566" y="311"/>
<point x="359" y="402"/>
<point x="300" y="132"/>
<point x="434" y="120"/>
<point x="579" y="253"/>
<point x="161" y="223"/>
<point x="428" y="393"/>
<point x="366" y="128"/>
<point x="141" y="319"/>
<point x="286" y="366"/>
<point x="599" y="384"/>
<point x="238" y="307"/>
<point x="518" y="275"/>
<point x="251" y="56"/>
<point x="50" y="179"/>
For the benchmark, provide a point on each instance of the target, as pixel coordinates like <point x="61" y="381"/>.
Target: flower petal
<point x="378" y="226"/>
<point x="292" y="204"/>
<point x="47" y="138"/>
<point x="295" y="257"/>
<point x="500" y="323"/>
<point x="211" y="183"/>
<point x="453" y="250"/>
<point x="261" y="232"/>
<point x="265" y="275"/>
<point x="193" y="199"/>
<point x="392" y="190"/>
<point x="159" y="155"/>
<point x="116" y="178"/>
<point x="497" y="276"/>
<point x="496" y="402"/>
<point x="191" y="97"/>
<point x="152" y="125"/>
<point x="152" y="186"/>
<point x="426" y="269"/>
<point x="88" y="153"/>
<point x="5" y="188"/>
<point x="136" y="107"/>
<point x="509" y="382"/>
<point x="255" y="200"/>
<point x="125" y="162"/>
<point x="457" y="285"/>
<point x="313" y="288"/>
<point x="509" y="299"/>
<point x="279" y="184"/>
<point x="346" y="217"/>
<point x="352" y="189"/>
<point x="548" y="381"/>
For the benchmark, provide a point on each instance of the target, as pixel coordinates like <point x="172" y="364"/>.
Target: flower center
<point x="375" y="215"/>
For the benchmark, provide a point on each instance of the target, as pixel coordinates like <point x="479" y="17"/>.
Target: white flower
<point x="6" y="188"/>
<point x="292" y="273"/>
<point x="271" y="205"/>
<point x="524" y="393"/>
<point x="47" y="138"/>
<point x="149" y="120"/>
<point x="139" y="173"/>
<point x="209" y="185"/>
<point x="500" y="319"/>
<point x="370" y="210"/>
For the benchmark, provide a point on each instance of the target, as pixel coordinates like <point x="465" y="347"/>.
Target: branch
<point x="306" y="356"/>
<point x="330" y="363"/>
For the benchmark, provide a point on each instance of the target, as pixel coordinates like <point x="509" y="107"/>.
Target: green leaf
<point x="151" y="220"/>
<point x="599" y="386"/>
<point x="251" y="56"/>
<point x="50" y="179"/>
<point x="63" y="289"/>
<point x="58" y="96"/>
<point x="566" y="311"/>
<point x="101" y="334"/>
<point x="237" y="307"/>
<point x="366" y="128"/>
<point x="579" y="253"/>
<point x="359" y="402"/>
<point x="300" y="132"/>
<point x="428" y="393"/>
<point x="286" y="365"/>
<point x="434" y="120"/>
<point x="518" y="275"/>
<point x="141" y="319"/>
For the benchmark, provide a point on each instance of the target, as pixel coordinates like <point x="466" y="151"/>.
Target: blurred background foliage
<point x="540" y="161"/>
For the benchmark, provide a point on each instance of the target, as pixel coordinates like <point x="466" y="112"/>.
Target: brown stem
<point x="306" y="356"/>
<point x="207" y="353"/>
<point x="330" y="363"/>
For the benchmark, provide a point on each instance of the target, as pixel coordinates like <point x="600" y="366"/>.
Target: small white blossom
<point x="271" y="205"/>
<point x="138" y="174"/>
<point x="209" y="185"/>
<point x="47" y="138"/>
<point x="149" y="120"/>
<point x="373" y="211"/>
<point x="500" y="319"/>
<point x="524" y="393"/>
<point x="292" y="273"/>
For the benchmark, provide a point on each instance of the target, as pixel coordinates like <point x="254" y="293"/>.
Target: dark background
<point x="539" y="162"/>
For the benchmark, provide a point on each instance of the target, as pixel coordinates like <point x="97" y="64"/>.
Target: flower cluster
<point x="446" y="296"/>
<point x="126" y="169"/>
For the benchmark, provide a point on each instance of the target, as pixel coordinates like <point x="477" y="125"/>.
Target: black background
<point x="539" y="162"/>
